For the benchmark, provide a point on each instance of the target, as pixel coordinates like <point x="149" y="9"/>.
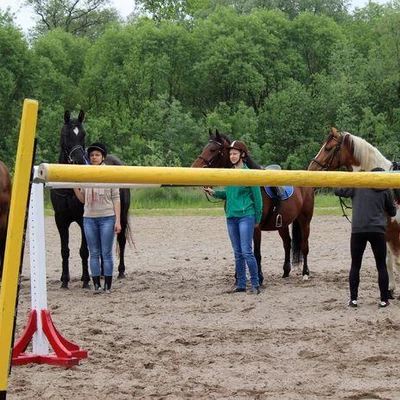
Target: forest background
<point x="274" y="73"/>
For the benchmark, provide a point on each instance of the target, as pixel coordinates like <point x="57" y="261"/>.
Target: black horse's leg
<point x="84" y="254"/>
<point x="121" y="239"/>
<point x="257" y="253"/>
<point x="125" y="196"/>
<point x="284" y="234"/>
<point x="63" y="230"/>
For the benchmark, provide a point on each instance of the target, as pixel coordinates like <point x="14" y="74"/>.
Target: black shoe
<point x="353" y="303"/>
<point x="96" y="285"/>
<point x="239" y="290"/>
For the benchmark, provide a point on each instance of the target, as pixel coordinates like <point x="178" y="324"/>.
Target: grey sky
<point x="125" y="7"/>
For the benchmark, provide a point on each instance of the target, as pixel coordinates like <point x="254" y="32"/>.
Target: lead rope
<point x="344" y="206"/>
<point x="212" y="199"/>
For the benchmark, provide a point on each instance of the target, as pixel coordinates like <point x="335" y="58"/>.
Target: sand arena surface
<point x="171" y="330"/>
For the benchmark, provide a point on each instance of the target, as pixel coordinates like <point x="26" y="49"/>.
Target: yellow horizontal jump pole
<point x="213" y="176"/>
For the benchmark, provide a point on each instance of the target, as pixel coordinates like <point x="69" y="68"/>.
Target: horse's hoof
<point x="391" y="295"/>
<point x="305" y="277"/>
<point x="85" y="285"/>
<point x="285" y="275"/>
<point x="64" y="285"/>
<point x="121" y="275"/>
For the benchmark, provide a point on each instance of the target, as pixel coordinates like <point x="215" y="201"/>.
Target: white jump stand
<point x="40" y="327"/>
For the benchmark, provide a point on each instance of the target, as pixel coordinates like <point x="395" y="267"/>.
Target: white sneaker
<point x="352" y="303"/>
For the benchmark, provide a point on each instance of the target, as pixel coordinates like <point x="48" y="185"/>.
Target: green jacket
<point x="242" y="201"/>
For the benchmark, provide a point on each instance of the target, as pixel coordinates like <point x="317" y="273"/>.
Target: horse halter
<point x="209" y="163"/>
<point x="335" y="154"/>
<point x="75" y="148"/>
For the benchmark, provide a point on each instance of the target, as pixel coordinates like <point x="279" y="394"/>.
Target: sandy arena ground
<point x="171" y="330"/>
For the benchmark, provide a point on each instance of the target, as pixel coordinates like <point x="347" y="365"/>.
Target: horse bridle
<point x="220" y="153"/>
<point x="72" y="151"/>
<point x="335" y="154"/>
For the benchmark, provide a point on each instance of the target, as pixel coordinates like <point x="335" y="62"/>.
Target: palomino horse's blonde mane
<point x="368" y="156"/>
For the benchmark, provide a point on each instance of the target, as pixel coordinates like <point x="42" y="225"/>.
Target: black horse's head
<point x="72" y="142"/>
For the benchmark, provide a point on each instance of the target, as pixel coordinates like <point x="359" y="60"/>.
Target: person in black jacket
<point x="371" y="208"/>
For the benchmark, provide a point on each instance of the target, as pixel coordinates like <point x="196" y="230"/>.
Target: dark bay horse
<point x="296" y="210"/>
<point x="68" y="209"/>
<point x="342" y="149"/>
<point x="5" y="198"/>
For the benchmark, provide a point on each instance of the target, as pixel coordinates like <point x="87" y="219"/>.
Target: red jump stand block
<point x="65" y="354"/>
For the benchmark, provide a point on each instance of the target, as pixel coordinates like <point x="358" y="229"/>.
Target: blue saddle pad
<point x="288" y="192"/>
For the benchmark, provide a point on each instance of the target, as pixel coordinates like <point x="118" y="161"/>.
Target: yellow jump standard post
<point x="15" y="236"/>
<point x="213" y="176"/>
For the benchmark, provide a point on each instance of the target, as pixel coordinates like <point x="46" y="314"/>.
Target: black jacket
<point x="371" y="208"/>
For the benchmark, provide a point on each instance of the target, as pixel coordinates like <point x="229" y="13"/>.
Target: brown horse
<point x="5" y="198"/>
<point x="342" y="149"/>
<point x="296" y="210"/>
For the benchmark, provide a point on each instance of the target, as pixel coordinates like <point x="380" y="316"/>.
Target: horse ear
<point x="217" y="135"/>
<point x="67" y="116"/>
<point x="335" y="132"/>
<point x="81" y="116"/>
<point x="209" y="132"/>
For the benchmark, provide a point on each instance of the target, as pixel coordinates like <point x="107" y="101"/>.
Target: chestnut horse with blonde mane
<point x="297" y="210"/>
<point x="5" y="198"/>
<point x="342" y="149"/>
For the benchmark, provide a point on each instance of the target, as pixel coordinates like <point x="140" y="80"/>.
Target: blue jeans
<point x="241" y="231"/>
<point x="99" y="234"/>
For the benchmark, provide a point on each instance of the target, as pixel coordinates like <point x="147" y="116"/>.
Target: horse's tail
<point x="128" y="232"/>
<point x="125" y="224"/>
<point x="297" y="255"/>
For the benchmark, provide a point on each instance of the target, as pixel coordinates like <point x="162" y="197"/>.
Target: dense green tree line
<point x="273" y="73"/>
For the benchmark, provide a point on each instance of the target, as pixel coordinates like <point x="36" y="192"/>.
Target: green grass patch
<point x="192" y="201"/>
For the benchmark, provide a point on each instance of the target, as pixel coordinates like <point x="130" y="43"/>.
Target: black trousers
<point x="358" y="244"/>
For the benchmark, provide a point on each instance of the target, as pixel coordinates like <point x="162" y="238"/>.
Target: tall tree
<point x="84" y="18"/>
<point x="16" y="83"/>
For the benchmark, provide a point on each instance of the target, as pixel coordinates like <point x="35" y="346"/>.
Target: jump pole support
<point x="15" y="237"/>
<point x="40" y="327"/>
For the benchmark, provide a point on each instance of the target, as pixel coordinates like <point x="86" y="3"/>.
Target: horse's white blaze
<point x="76" y="130"/>
<point x="356" y="168"/>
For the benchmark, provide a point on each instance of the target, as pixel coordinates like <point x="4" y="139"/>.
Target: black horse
<point x="68" y="209"/>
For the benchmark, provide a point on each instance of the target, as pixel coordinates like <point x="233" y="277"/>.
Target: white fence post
<point x="38" y="263"/>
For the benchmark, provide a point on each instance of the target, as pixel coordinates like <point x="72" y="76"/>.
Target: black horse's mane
<point x="113" y="160"/>
<point x="249" y="161"/>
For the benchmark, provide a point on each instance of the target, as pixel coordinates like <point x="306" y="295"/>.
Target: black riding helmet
<point x="99" y="147"/>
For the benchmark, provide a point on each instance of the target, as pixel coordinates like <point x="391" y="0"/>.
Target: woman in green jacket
<point x="243" y="213"/>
